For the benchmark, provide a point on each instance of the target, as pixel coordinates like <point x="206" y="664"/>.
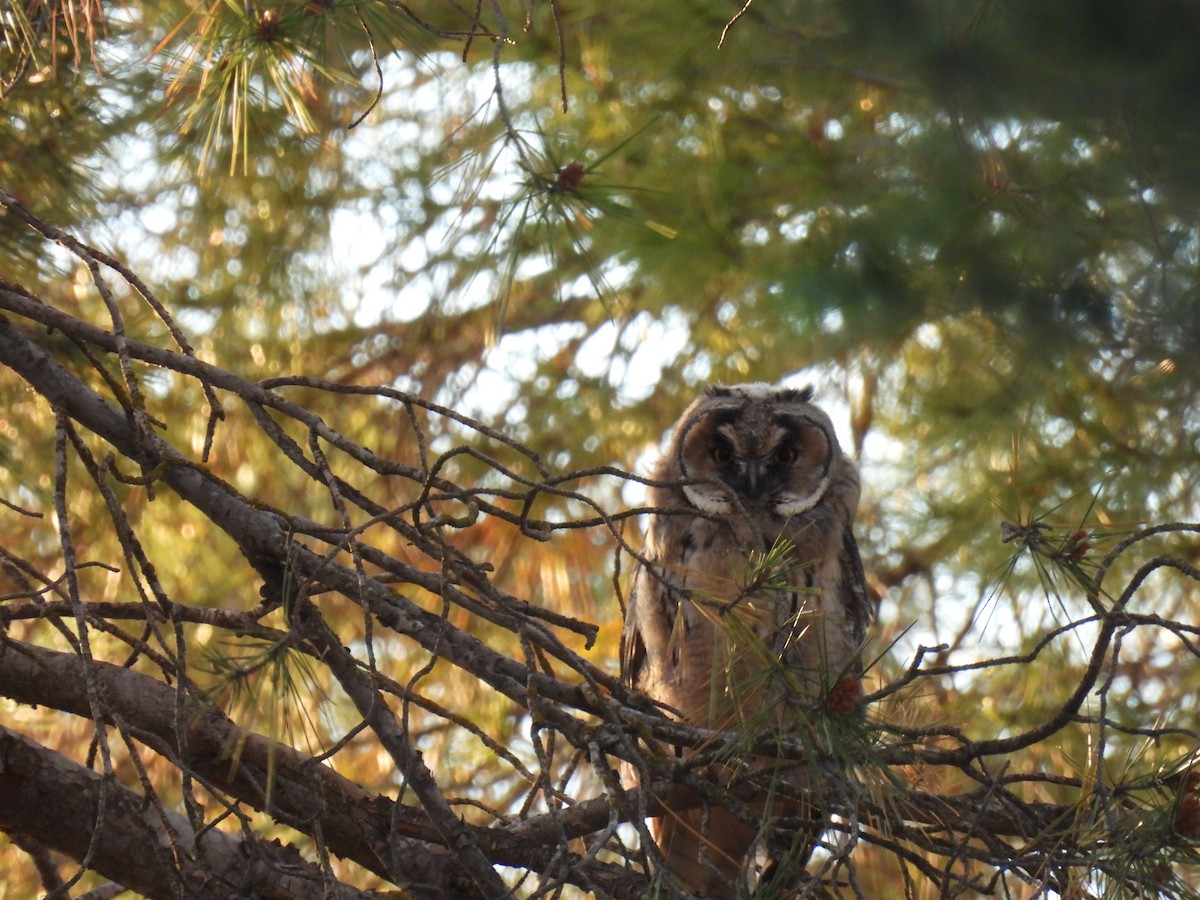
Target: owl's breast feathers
<point x="750" y="601"/>
<point x="696" y="623"/>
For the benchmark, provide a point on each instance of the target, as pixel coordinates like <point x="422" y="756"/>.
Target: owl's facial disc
<point x="816" y="449"/>
<point x="755" y="456"/>
<point x="706" y="451"/>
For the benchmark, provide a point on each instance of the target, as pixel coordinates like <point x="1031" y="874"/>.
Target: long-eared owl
<point x="751" y="604"/>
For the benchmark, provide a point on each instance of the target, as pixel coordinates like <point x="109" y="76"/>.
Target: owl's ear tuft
<point x="796" y="395"/>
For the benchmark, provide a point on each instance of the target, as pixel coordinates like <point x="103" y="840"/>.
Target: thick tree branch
<point x="293" y="788"/>
<point x="54" y="800"/>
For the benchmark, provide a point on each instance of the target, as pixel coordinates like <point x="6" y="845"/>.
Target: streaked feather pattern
<point x="753" y="603"/>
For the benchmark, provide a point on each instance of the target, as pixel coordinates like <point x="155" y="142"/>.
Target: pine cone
<point x="844" y="698"/>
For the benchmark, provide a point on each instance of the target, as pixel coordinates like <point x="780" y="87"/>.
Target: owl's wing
<point x="633" y="642"/>
<point x="855" y="597"/>
<point x="648" y="648"/>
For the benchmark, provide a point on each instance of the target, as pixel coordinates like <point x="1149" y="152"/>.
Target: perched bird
<point x="751" y="605"/>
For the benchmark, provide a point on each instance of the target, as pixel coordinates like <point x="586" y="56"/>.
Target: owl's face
<point x="755" y="447"/>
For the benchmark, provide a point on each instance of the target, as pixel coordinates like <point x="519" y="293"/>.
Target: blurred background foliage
<point x="973" y="225"/>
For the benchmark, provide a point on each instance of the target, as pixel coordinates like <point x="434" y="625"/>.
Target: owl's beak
<point x="751" y="477"/>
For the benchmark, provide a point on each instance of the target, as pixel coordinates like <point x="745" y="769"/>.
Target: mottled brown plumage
<point x="719" y="635"/>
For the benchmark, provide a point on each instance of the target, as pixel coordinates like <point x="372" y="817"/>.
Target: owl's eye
<point x="722" y="452"/>
<point x="785" y="454"/>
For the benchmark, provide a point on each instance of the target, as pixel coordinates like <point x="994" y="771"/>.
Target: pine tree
<point x="337" y="336"/>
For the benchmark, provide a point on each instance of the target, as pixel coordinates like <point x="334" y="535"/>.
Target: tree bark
<point x="290" y="786"/>
<point x="145" y="847"/>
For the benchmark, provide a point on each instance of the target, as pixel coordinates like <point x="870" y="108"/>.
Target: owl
<point x="750" y="604"/>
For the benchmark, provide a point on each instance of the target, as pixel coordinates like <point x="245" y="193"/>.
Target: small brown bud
<point x="268" y="25"/>
<point x="570" y="176"/>
<point x="1079" y="544"/>
<point x="1187" y="817"/>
